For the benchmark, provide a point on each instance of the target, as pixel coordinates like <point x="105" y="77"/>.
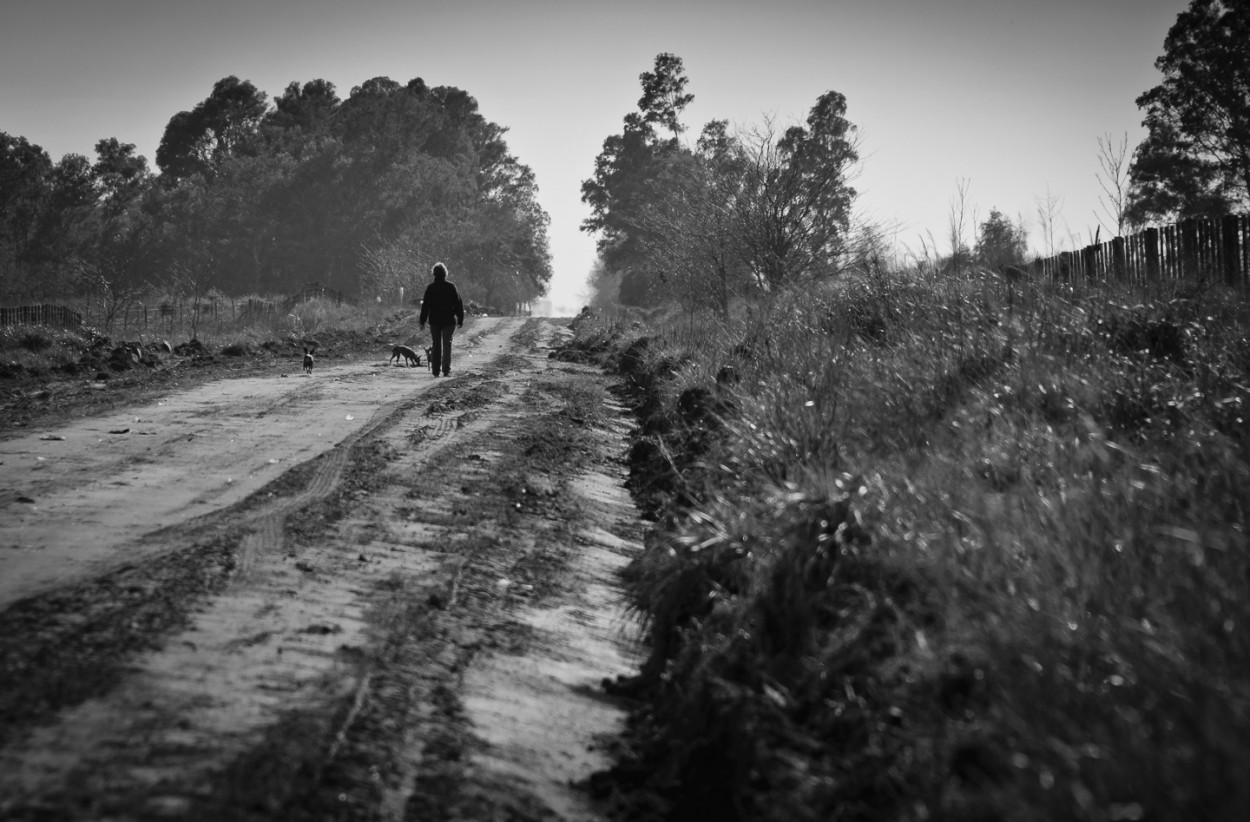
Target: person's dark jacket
<point x="441" y="304"/>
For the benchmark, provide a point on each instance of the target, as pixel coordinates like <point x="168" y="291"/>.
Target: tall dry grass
<point x="950" y="548"/>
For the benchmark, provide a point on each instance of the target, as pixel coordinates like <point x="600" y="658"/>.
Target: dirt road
<point x="367" y="593"/>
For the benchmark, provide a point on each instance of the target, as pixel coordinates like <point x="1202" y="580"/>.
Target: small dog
<point x="308" y="361"/>
<point x="407" y="353"/>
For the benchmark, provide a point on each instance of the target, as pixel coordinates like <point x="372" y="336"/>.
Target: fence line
<point x="137" y="315"/>
<point x="143" y="317"/>
<point x="1215" y="248"/>
<point x="42" y="314"/>
<point x="315" y="291"/>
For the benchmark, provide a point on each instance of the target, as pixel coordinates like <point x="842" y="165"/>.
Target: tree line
<point x="740" y="211"/>
<point x="260" y="197"/>
<point x="749" y="210"/>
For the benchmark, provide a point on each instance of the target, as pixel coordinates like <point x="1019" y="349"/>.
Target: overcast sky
<point x="1009" y="95"/>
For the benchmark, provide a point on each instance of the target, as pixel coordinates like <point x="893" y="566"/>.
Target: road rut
<point x="400" y="606"/>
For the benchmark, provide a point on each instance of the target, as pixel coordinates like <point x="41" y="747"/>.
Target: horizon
<point x="1010" y="97"/>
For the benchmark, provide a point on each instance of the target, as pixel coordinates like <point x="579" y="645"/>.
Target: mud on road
<point x="365" y="594"/>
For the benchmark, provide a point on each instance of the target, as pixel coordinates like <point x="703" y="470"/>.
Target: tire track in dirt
<point x="121" y="714"/>
<point x="289" y="660"/>
<point x="69" y="644"/>
<point x="111" y="491"/>
<point x="485" y="702"/>
<point x="539" y="718"/>
<point x="268" y="528"/>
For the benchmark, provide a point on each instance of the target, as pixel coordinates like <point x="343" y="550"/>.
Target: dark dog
<point x="407" y="353"/>
<point x="308" y="361"/>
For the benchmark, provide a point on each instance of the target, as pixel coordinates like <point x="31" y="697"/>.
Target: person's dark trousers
<point x="441" y="355"/>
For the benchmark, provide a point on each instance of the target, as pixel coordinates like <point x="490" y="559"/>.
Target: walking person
<point x="442" y="308"/>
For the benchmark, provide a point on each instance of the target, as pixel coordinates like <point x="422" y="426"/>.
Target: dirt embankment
<point x="364" y="594"/>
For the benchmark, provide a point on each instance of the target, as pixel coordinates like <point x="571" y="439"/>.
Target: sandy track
<point x="72" y="498"/>
<point x="415" y="579"/>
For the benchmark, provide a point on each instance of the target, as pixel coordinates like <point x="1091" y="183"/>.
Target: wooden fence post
<point x="1065" y="266"/>
<point x="1152" y="254"/>
<point x="1245" y="249"/>
<point x="1169" y="252"/>
<point x="1230" y="248"/>
<point x="1119" y="263"/>
<point x="1189" y="247"/>
<point x="1203" y="246"/>
<point x="1090" y="253"/>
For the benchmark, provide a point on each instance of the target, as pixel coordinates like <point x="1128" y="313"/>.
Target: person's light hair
<point x="439" y="271"/>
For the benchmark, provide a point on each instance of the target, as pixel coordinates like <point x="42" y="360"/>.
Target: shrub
<point x="35" y="340"/>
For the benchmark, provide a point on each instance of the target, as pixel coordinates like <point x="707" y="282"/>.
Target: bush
<point x="35" y="340"/>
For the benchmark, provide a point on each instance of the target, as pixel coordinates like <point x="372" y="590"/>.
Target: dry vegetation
<point x="44" y="352"/>
<point x="48" y="373"/>
<point x="936" y="548"/>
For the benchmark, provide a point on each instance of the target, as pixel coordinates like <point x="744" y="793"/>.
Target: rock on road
<point x="368" y="593"/>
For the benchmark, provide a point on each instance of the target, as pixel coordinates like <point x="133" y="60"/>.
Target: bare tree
<point x="1048" y="211"/>
<point x="390" y="267"/>
<point x="1113" y="179"/>
<point x="958" y="221"/>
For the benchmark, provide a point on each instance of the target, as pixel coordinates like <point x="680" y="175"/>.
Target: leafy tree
<point x="115" y="250"/>
<point x="24" y="191"/>
<point x="752" y="211"/>
<point x="795" y="211"/>
<point x="433" y="179"/>
<point x="630" y="172"/>
<point x="72" y="197"/>
<point x="71" y="208"/>
<point x="692" y="234"/>
<point x="73" y="182"/>
<point x="196" y="141"/>
<point x="120" y="174"/>
<point x="308" y="108"/>
<point x="260" y="199"/>
<point x="1170" y="181"/>
<point x="664" y="94"/>
<point x="378" y="122"/>
<point x="1195" y="159"/>
<point x="739" y="212"/>
<point x="1000" y="242"/>
<point x="60" y="220"/>
<point x="617" y="193"/>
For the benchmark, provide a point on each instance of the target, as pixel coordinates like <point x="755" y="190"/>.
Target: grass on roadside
<point x="946" y="548"/>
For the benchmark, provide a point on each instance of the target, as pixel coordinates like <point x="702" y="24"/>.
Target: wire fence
<point x="164" y="317"/>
